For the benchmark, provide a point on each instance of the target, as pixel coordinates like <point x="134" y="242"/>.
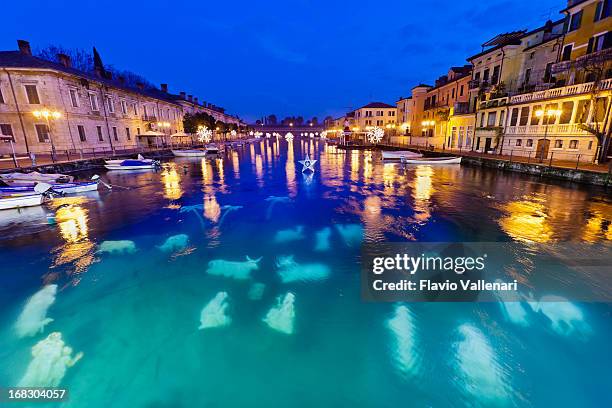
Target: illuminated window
<point x="558" y="144"/>
<point x="573" y="144"/>
<point x="529" y="143"/>
<point x="519" y="142"/>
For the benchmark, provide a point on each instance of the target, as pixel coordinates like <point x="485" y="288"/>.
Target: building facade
<point x="47" y="106"/>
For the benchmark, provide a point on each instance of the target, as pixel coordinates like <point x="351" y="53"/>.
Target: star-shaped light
<point x="308" y="165"/>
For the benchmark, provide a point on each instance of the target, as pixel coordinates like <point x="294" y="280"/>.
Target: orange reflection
<point x="171" y="179"/>
<point x="212" y="210"/>
<point x="72" y="223"/>
<point x="290" y="170"/>
<point x="422" y="190"/>
<point x="236" y="164"/>
<point x="526" y="221"/>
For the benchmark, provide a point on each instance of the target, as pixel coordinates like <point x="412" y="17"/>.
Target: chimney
<point x="182" y="95"/>
<point x="64" y="60"/>
<point x="164" y="88"/>
<point x="24" y="47"/>
<point x="190" y="98"/>
<point x="140" y="85"/>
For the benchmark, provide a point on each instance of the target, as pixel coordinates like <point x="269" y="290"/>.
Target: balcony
<point x="560" y="92"/>
<point x="594" y="58"/>
<point x="149" y="118"/>
<point x="559" y="129"/>
<point x="473" y="84"/>
<point x="461" y="108"/>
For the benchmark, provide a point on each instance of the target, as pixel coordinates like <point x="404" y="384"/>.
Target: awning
<point x="180" y="134"/>
<point x="151" y="133"/>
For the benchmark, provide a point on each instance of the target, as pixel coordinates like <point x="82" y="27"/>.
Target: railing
<point x="473" y="84"/>
<point x="558" y="129"/>
<point x="561" y="92"/>
<point x="149" y="118"/>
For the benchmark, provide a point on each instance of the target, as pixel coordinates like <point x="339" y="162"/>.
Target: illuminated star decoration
<point x="308" y="165"/>
<point x="323" y="134"/>
<point x="204" y="134"/>
<point x="258" y="135"/>
<point x="233" y="133"/>
<point x="289" y="136"/>
<point x="375" y="134"/>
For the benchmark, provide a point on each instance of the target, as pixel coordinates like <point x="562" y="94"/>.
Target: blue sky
<point x="292" y="57"/>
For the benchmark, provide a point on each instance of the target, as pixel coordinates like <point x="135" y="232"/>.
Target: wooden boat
<point x="189" y="153"/>
<point x="30" y="179"/>
<point x="63" y="188"/>
<point x="432" y="160"/>
<point x="398" y="155"/>
<point x="20" y="201"/>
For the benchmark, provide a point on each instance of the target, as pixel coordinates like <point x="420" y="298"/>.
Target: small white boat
<point x="63" y="188"/>
<point x="189" y="153"/>
<point x="132" y="165"/>
<point x="432" y="160"/>
<point x="30" y="179"/>
<point x="20" y="201"/>
<point x="399" y="155"/>
<point x="212" y="149"/>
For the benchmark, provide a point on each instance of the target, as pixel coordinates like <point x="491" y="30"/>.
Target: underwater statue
<point x="403" y="330"/>
<point x="196" y="209"/>
<point x="290" y="271"/>
<point x="117" y="247"/>
<point x="175" y="243"/>
<point x="273" y="200"/>
<point x="322" y="239"/>
<point x="352" y="234"/>
<point x="228" y="209"/>
<point x="477" y="364"/>
<point x="513" y="310"/>
<point x="50" y="360"/>
<point x="33" y="317"/>
<point x="565" y="317"/>
<point x="214" y="313"/>
<point x="281" y="317"/>
<point x="233" y="269"/>
<point x="288" y="235"/>
<point x="256" y="291"/>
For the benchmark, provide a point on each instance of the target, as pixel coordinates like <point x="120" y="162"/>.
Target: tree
<point x="191" y="122"/>
<point x="271" y="120"/>
<point x="80" y="59"/>
<point x="258" y="122"/>
<point x="314" y="121"/>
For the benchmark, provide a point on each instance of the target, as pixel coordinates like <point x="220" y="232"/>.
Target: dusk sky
<point x="300" y="57"/>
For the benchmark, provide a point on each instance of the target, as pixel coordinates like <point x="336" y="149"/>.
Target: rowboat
<point x="30" y="179"/>
<point x="63" y="188"/>
<point x="398" y="155"/>
<point x="189" y="153"/>
<point x="432" y="160"/>
<point x="20" y="201"/>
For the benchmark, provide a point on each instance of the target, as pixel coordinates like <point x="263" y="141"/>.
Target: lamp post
<point x="550" y="113"/>
<point x="427" y="124"/>
<point x="47" y="115"/>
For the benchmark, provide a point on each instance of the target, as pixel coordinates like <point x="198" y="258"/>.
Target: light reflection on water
<point x="138" y="314"/>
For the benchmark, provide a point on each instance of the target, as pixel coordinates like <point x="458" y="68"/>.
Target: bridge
<point x="296" y="130"/>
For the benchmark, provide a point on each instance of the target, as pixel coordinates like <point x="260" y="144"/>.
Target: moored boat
<point x="212" y="149"/>
<point x="432" y="160"/>
<point x="64" y="188"/>
<point x="30" y="179"/>
<point x="20" y="201"/>
<point x="132" y="165"/>
<point x="398" y="155"/>
<point x="189" y="153"/>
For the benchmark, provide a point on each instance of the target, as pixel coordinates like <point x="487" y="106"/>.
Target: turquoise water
<point x="133" y="273"/>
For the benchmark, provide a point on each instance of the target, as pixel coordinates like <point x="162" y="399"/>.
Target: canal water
<point x="235" y="282"/>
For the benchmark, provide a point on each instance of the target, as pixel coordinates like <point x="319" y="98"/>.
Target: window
<point x="7" y="130"/>
<point x="124" y="107"/>
<point x="535" y="119"/>
<point x="485" y="75"/>
<point x="110" y="104"/>
<point x="599" y="111"/>
<point x="453" y="93"/>
<point x="547" y="75"/>
<point x="502" y="116"/>
<point x="468" y="136"/>
<point x="529" y="143"/>
<point x="137" y="131"/>
<point x="135" y="109"/>
<point x="590" y="144"/>
<point x="43" y="133"/>
<point x="93" y="101"/>
<point x="491" y="119"/>
<point x="495" y="77"/>
<point x="127" y="133"/>
<point x="575" y="20"/>
<point x="477" y="76"/>
<point x="566" y="112"/>
<point x="582" y="112"/>
<point x="81" y="130"/>
<point x="519" y="142"/>
<point x="74" y="98"/>
<point x="115" y="136"/>
<point x="99" y="130"/>
<point x="1" y="97"/>
<point x="514" y="117"/>
<point x="567" y="52"/>
<point x="482" y="119"/>
<point x="558" y="144"/>
<point x="32" y="94"/>
<point x="573" y="144"/>
<point x="524" y="116"/>
<point x="527" y="77"/>
<point x="599" y="42"/>
<point x="603" y="10"/>
<point x="461" y="91"/>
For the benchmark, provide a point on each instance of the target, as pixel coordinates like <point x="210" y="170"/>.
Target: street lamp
<point x="427" y="124"/>
<point x="48" y="115"/>
<point x="550" y="113"/>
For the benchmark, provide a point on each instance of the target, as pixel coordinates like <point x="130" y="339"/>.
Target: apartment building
<point x="50" y="106"/>
<point x="375" y="114"/>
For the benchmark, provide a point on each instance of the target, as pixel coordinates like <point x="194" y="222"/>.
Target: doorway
<point x="542" y="149"/>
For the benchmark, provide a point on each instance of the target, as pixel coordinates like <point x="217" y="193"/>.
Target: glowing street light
<point x="550" y="113"/>
<point x="47" y="115"/>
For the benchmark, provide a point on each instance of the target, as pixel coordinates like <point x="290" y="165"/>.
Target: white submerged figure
<point x="256" y="291"/>
<point x="51" y="358"/>
<point x="352" y="234"/>
<point x="196" y="209"/>
<point x="281" y="317"/>
<point x="273" y="200"/>
<point x="322" y="239"/>
<point x="513" y="310"/>
<point x="291" y="271"/>
<point x="402" y="327"/>
<point x="228" y="209"/>
<point x="33" y="317"/>
<point x="477" y="364"/>
<point x="175" y="243"/>
<point x="566" y="318"/>
<point x="117" y="247"/>
<point x="288" y="235"/>
<point x="214" y="313"/>
<point x="233" y="269"/>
